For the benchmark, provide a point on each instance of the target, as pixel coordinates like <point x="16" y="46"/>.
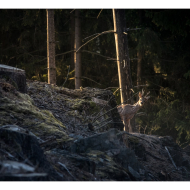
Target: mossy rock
<point x="40" y="122"/>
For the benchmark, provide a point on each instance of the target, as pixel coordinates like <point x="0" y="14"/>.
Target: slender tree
<point x="119" y="53"/>
<point x="122" y="52"/>
<point x="139" y="72"/>
<point x="77" y="55"/>
<point x="72" y="33"/>
<point x="51" y="47"/>
<point x="139" y="55"/>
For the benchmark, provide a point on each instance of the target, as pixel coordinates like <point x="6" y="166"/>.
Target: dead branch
<point x="140" y="85"/>
<point x="98" y="54"/>
<point x="110" y="88"/>
<point x="72" y="10"/>
<point x="103" y="121"/>
<point x="171" y="158"/>
<point x="10" y="155"/>
<point x="91" y="80"/>
<point x="99" y="13"/>
<point x="67" y="170"/>
<point x="95" y="118"/>
<point x="115" y="91"/>
<point x="105" y="32"/>
<point x="67" y="76"/>
<point x="103" y="125"/>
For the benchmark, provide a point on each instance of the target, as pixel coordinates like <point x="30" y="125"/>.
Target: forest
<point x="158" y="47"/>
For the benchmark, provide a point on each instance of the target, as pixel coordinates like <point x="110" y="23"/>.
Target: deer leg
<point x="126" y="125"/>
<point x="129" y="127"/>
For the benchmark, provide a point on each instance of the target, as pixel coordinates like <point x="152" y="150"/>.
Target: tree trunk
<point x="139" y="56"/>
<point x="123" y="60"/>
<point x="77" y="56"/>
<point x="51" y="47"/>
<point x="119" y="52"/>
<point x="139" y="76"/>
<point x="72" y="26"/>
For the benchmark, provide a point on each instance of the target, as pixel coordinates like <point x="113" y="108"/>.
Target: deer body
<point x="127" y="111"/>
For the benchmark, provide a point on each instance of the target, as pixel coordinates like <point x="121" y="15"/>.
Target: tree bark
<point x="77" y="55"/>
<point x="72" y="27"/>
<point x="139" y="56"/>
<point x="119" y="53"/>
<point x="51" y="47"/>
<point x="123" y="60"/>
<point x="139" y="73"/>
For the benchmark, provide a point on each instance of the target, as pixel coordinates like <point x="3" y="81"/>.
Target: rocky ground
<point x="59" y="134"/>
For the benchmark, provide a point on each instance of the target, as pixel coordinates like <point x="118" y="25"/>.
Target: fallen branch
<point x="103" y="125"/>
<point x="102" y="109"/>
<point x="67" y="170"/>
<point x="10" y="155"/>
<point x="171" y="158"/>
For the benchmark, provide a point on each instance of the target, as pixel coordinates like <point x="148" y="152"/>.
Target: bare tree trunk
<point x="139" y="56"/>
<point x="119" y="53"/>
<point x="128" y="79"/>
<point x="51" y="47"/>
<point x="139" y="73"/>
<point x="123" y="60"/>
<point x="77" y="56"/>
<point x="72" y="25"/>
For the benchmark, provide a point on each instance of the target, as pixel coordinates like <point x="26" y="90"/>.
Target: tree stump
<point x="15" y="76"/>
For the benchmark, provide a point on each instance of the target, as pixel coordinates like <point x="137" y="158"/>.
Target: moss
<point x="94" y="107"/>
<point x="78" y="104"/>
<point x="26" y="98"/>
<point x="40" y="122"/>
<point x="75" y="114"/>
<point x="133" y="139"/>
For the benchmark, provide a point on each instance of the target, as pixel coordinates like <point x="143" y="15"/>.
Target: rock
<point x="127" y="158"/>
<point x="103" y="142"/>
<point x="16" y="171"/>
<point x="25" y="177"/>
<point x="55" y="138"/>
<point x="110" y="143"/>
<point x="134" y="174"/>
<point x="25" y="147"/>
<point x="15" y="76"/>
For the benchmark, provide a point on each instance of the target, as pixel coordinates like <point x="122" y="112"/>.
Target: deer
<point x="127" y="111"/>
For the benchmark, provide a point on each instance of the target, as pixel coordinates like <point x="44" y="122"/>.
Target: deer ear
<point x="140" y="95"/>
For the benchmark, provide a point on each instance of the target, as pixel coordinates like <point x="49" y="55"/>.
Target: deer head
<point x="142" y="98"/>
